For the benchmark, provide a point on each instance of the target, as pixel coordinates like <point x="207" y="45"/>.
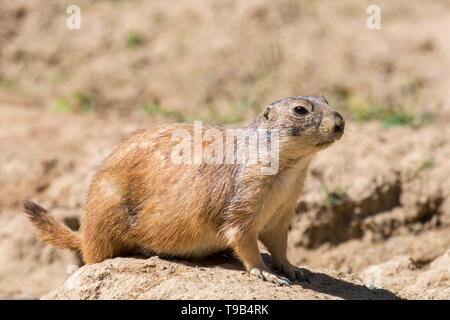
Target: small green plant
<point x="153" y="108"/>
<point x="61" y="105"/>
<point x="57" y="79"/>
<point x="386" y="115"/>
<point x="158" y="17"/>
<point x="80" y="102"/>
<point x="427" y="164"/>
<point x="335" y="197"/>
<point x="235" y="114"/>
<point x="85" y="102"/>
<point x="133" y="39"/>
<point x="8" y="84"/>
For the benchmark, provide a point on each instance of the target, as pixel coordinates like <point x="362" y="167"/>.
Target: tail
<point x="50" y="230"/>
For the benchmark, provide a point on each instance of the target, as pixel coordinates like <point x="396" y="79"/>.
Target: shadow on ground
<point x="318" y="282"/>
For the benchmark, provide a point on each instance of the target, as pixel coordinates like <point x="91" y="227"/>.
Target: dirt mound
<point x="392" y="205"/>
<point x="379" y="199"/>
<point x="155" y="278"/>
<point x="404" y="275"/>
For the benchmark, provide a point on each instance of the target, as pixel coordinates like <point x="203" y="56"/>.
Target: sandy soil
<point x="67" y="98"/>
<point x="154" y="278"/>
<point x="414" y="222"/>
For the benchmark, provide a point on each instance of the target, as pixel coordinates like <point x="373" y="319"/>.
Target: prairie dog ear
<point x="268" y="113"/>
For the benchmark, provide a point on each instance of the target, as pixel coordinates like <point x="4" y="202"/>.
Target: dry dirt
<point x="154" y="278"/>
<point x="382" y="231"/>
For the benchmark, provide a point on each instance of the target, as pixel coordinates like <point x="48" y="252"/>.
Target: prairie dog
<point x="140" y="200"/>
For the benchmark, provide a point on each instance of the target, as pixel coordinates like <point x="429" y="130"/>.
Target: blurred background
<point x="379" y="196"/>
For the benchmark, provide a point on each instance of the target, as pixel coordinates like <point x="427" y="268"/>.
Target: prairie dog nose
<point x="339" y="122"/>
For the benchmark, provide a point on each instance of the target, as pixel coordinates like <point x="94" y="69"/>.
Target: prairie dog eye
<point x="300" y="110"/>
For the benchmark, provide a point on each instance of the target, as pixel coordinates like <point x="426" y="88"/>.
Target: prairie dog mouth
<point x="331" y="140"/>
<point x="339" y="134"/>
<point x="325" y="143"/>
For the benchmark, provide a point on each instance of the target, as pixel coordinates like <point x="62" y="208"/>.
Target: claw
<point x="287" y="284"/>
<point x="293" y="273"/>
<point x="267" y="276"/>
<point x="285" y="281"/>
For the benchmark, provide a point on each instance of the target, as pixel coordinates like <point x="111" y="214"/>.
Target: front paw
<point x="292" y="272"/>
<point x="270" y="277"/>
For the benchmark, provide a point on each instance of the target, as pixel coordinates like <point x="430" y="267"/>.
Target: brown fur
<point x="51" y="230"/>
<point x="140" y="200"/>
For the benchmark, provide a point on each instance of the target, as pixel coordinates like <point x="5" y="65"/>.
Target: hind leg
<point x="101" y="248"/>
<point x="103" y="236"/>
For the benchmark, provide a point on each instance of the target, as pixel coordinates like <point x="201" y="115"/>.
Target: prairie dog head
<point x="306" y="124"/>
